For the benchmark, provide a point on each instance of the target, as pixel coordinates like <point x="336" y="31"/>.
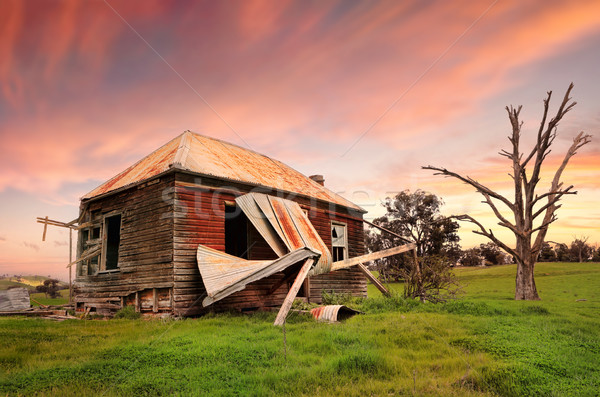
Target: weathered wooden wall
<point x="145" y="250"/>
<point x="199" y="219"/>
<point x="162" y="224"/>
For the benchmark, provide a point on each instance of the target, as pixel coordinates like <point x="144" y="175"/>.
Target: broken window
<point x="89" y="241"/>
<point x="339" y="241"/>
<point x="84" y="236"/>
<point x="92" y="265"/>
<point x="236" y="232"/>
<point x="112" y="238"/>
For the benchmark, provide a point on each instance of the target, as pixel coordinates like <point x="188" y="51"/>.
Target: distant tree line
<point x="579" y="250"/>
<point x="490" y="254"/>
<point x="415" y="216"/>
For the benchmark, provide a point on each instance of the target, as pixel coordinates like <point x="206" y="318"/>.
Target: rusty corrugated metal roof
<point x="208" y="156"/>
<point x="279" y="220"/>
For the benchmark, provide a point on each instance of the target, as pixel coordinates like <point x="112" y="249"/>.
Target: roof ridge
<point x="180" y="158"/>
<point x="222" y="141"/>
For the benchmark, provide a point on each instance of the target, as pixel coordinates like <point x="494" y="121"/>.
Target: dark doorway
<point x="113" y="238"/>
<point x="236" y="232"/>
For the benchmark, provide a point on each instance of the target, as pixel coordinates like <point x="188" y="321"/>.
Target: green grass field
<point x="41" y="298"/>
<point x="483" y="344"/>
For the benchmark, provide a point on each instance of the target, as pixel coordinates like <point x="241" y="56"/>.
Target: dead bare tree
<point x="528" y="205"/>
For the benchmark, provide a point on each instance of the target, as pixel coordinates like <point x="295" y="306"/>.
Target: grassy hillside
<point x="6" y="284"/>
<point x="483" y="344"/>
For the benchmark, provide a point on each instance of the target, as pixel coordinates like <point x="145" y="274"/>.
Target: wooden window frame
<point x="104" y="236"/>
<point x="345" y="246"/>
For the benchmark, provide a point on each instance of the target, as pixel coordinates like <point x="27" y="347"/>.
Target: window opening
<point x="112" y="227"/>
<point x="339" y="241"/>
<point x="236" y="232"/>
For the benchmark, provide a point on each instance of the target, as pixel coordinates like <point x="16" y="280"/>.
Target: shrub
<point x="430" y="279"/>
<point x="336" y="298"/>
<point x="128" y="313"/>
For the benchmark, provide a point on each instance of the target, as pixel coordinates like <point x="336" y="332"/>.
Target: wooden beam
<point x="45" y="229"/>
<point x="154" y="300"/>
<point x="70" y="267"/>
<point x="89" y="255"/>
<point x="52" y="222"/>
<point x="387" y="231"/>
<point x="307" y="288"/>
<point x="372" y="256"/>
<point x="289" y="299"/>
<point x="373" y="279"/>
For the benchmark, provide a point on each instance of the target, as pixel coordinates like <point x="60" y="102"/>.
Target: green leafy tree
<point x="596" y="254"/>
<point x="580" y="250"/>
<point x="547" y="253"/>
<point x="563" y="253"/>
<point x="472" y="257"/>
<point x="416" y="217"/>
<point x="492" y="253"/>
<point x="50" y="288"/>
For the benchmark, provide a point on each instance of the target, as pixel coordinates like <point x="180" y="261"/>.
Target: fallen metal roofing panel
<point x="248" y="204"/>
<point x="208" y="156"/>
<point x="283" y="221"/>
<point x="225" y="274"/>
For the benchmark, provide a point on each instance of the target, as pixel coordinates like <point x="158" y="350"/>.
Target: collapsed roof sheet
<point x="284" y="226"/>
<point x="224" y="274"/>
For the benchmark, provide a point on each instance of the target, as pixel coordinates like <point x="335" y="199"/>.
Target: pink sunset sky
<point x="364" y="93"/>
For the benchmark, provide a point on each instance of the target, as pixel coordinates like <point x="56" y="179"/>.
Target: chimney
<point x="319" y="179"/>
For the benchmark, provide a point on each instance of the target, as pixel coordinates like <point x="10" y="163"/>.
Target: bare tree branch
<point x="525" y="185"/>
<point x="580" y="140"/>
<point x="552" y="200"/>
<point x="478" y="186"/>
<point x="489" y="234"/>
<point x="503" y="221"/>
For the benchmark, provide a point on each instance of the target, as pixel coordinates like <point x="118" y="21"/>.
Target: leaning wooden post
<point x="70" y="267"/>
<point x="418" y="270"/>
<point x="45" y="228"/>
<point x="373" y="280"/>
<point x="289" y="299"/>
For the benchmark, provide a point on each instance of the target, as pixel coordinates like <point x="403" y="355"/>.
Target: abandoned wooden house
<point x="201" y="224"/>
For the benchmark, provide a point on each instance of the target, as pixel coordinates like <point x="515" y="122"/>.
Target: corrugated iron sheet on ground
<point x="213" y="157"/>
<point x="333" y="313"/>
<point x="14" y="299"/>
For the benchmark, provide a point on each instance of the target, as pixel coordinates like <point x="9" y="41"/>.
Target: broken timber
<point x="346" y="263"/>
<point x="373" y="279"/>
<point x="90" y="253"/>
<point x="289" y="299"/>
<point x="71" y="226"/>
